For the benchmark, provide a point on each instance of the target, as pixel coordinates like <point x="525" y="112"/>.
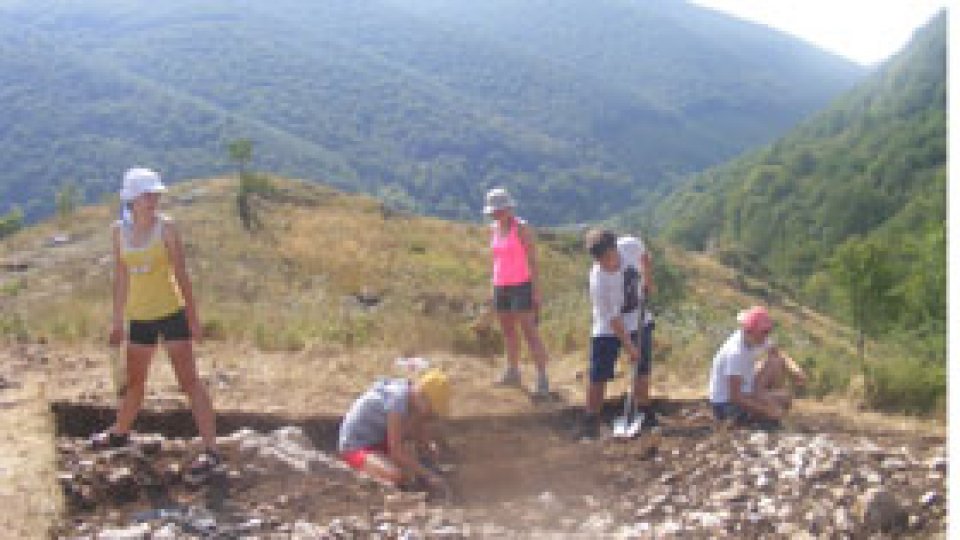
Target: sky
<point x="865" y="31"/>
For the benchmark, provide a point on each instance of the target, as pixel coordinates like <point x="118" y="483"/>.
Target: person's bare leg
<point x="138" y="364"/>
<point x="771" y="374"/>
<point x="531" y="332"/>
<point x="528" y="324"/>
<point x="595" y="392"/>
<point x="781" y="397"/>
<point x="641" y="390"/>
<point x="379" y="467"/>
<point x="511" y="340"/>
<point x="185" y="368"/>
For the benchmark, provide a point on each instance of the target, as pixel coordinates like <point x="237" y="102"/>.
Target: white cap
<point x="497" y="199"/>
<point x="138" y="181"/>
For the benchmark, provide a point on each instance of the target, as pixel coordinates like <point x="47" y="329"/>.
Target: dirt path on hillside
<point x="29" y="496"/>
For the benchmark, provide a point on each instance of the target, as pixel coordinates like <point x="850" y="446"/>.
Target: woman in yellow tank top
<point x="152" y="290"/>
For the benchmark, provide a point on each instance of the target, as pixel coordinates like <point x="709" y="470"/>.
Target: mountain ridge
<point x="415" y="108"/>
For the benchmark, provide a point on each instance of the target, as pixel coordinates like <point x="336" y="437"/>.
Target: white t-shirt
<point x="618" y="293"/>
<point x="735" y="357"/>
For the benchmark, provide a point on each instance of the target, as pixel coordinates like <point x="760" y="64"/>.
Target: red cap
<point x="755" y="319"/>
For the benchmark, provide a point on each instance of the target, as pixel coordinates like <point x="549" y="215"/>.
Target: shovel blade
<point x="625" y="427"/>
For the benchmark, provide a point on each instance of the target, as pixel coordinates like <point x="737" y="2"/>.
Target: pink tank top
<point x="509" y="256"/>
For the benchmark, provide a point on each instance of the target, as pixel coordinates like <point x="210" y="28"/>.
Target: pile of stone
<point x="747" y="484"/>
<point x="733" y="484"/>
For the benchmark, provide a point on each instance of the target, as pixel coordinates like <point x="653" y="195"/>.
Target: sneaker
<point x="109" y="440"/>
<point x="509" y="377"/>
<point x="589" y="429"/>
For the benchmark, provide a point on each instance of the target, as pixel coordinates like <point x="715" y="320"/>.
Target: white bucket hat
<point x="498" y="199"/>
<point x="138" y="181"/>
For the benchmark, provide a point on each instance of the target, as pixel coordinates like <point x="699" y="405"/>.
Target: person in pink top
<point x="516" y="292"/>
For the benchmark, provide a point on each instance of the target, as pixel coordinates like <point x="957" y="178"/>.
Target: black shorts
<point x="513" y="297"/>
<point x="171" y="328"/>
<point x="604" y="351"/>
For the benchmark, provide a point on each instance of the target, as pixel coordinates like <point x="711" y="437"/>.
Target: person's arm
<point x="609" y="309"/>
<point x="793" y="369"/>
<point x="429" y="439"/>
<point x="527" y="238"/>
<point x="121" y="280"/>
<point x="401" y="456"/>
<point x="616" y="324"/>
<point x="171" y="237"/>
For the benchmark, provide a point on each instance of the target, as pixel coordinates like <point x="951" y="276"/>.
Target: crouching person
<point x="749" y="375"/>
<point x="388" y="430"/>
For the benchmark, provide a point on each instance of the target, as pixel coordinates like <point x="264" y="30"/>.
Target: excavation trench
<point x="520" y="473"/>
<point x="494" y="459"/>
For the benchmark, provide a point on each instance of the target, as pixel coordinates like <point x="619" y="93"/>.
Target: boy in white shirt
<point x="748" y="378"/>
<point x="620" y="279"/>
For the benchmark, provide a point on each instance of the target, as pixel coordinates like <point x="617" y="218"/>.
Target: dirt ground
<point x="515" y="467"/>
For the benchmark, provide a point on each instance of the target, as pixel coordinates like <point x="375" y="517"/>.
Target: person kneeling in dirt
<point x="387" y="431"/>
<point x="748" y="379"/>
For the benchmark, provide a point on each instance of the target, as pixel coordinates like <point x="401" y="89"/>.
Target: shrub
<point x="827" y="375"/>
<point x="907" y="384"/>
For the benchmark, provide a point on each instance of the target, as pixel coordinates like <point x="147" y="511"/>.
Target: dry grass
<point x="289" y="334"/>
<point x="293" y="288"/>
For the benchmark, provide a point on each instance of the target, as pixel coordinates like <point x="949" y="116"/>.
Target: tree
<point x="865" y="272"/>
<point x="11" y="222"/>
<point x="240" y="152"/>
<point x="68" y="198"/>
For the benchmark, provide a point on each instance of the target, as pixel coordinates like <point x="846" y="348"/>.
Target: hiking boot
<point x="650" y="418"/>
<point x="542" y="390"/>
<point x="589" y="429"/>
<point x="201" y="468"/>
<point x="106" y="440"/>
<point x="509" y="377"/>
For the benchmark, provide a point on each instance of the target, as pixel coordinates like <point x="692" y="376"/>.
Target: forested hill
<point x="580" y="106"/>
<point x="851" y="206"/>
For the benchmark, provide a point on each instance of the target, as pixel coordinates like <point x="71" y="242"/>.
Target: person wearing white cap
<point x="151" y="289"/>
<point x="516" y="291"/>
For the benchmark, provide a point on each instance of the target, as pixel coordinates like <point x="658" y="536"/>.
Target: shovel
<point x="628" y="425"/>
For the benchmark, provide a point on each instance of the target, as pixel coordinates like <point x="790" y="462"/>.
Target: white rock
<point x="930" y="498"/>
<point x="634" y="530"/>
<point x="669" y="527"/>
<point x="938" y="463"/>
<point x="894" y="464"/>
<point x="135" y="532"/>
<point x="759" y="438"/>
<point x="547" y="498"/>
<point x="293" y="435"/>
<point x="873" y="478"/>
<point x="304" y="530"/>
<point x="166" y="532"/>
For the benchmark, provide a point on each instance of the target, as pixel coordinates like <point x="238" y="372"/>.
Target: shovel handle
<point x="630" y="403"/>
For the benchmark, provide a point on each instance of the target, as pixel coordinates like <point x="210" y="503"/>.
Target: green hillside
<point x="580" y="107"/>
<point x="850" y="208"/>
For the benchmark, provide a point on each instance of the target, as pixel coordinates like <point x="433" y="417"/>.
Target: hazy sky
<point x="865" y="31"/>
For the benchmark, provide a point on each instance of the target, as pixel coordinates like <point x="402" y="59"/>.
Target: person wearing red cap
<point x="748" y="378"/>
